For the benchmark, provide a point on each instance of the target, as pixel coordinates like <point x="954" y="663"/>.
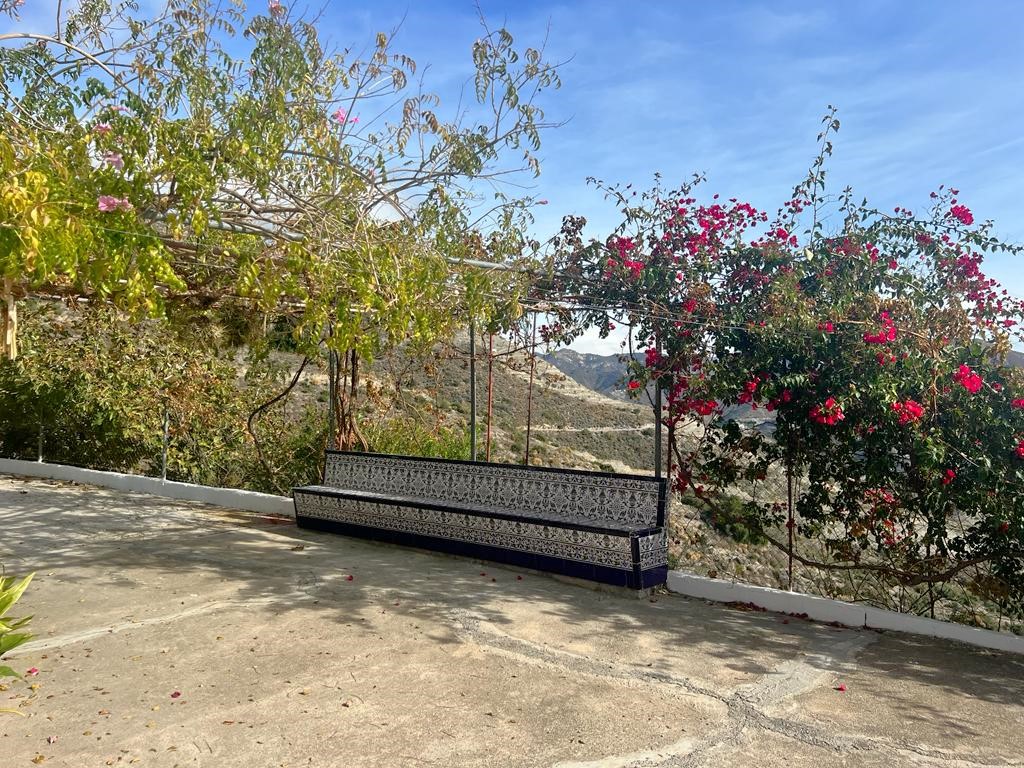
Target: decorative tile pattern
<point x="565" y="543"/>
<point x="653" y="550"/>
<point x="597" y="499"/>
<point x="598" y="525"/>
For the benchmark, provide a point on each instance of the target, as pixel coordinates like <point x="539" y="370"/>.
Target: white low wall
<point x="824" y="609"/>
<point x="221" y="497"/>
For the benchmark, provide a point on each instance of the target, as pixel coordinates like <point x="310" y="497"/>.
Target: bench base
<point x="633" y="578"/>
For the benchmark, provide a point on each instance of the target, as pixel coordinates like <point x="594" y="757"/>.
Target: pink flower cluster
<point x="962" y="214"/>
<point x="109" y="203"/>
<point x="887" y="333"/>
<point x="967" y="378"/>
<point x="948" y="477"/>
<point x="749" y="390"/>
<point x="775" y="402"/>
<point x="1018" y="403"/>
<point x="908" y="411"/>
<point x="831" y="413"/>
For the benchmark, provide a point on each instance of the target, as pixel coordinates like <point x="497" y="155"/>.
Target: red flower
<point x="949" y="477"/>
<point x="886" y="334"/>
<point x="831" y="413"/>
<point x="962" y="214"/>
<point x="176" y="694"/>
<point x="634" y="384"/>
<point x="1018" y="403"/>
<point x="908" y="411"/>
<point x="970" y="380"/>
<point x="841" y="687"/>
<point x="1020" y="449"/>
<point x="1004" y="527"/>
<point x="350" y="577"/>
<point x="32" y="672"/>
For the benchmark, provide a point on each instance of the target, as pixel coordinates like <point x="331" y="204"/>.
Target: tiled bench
<point x="600" y="526"/>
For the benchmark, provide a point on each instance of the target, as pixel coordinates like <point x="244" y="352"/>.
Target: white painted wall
<point x="221" y="497"/>
<point x="824" y="609"/>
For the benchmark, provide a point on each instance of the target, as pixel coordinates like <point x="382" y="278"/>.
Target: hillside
<point x="572" y="424"/>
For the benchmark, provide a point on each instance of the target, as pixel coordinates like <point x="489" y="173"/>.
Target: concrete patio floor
<point x="427" y="660"/>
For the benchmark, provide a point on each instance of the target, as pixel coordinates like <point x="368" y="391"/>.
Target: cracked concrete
<point x="419" y="659"/>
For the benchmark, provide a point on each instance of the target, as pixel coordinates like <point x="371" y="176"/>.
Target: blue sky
<point x="928" y="93"/>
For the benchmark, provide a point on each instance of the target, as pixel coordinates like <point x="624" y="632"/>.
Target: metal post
<point x="332" y="363"/>
<point x="490" y="393"/>
<point x="657" y="429"/>
<point x="40" y="446"/>
<point x="529" y="398"/>
<point x="472" y="390"/>
<point x="163" y="462"/>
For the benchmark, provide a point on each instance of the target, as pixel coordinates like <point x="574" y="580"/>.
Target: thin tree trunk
<point x="10" y="322"/>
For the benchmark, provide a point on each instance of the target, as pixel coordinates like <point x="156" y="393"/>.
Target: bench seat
<point x="600" y="526"/>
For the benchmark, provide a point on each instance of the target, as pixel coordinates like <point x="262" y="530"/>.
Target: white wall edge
<point x="230" y="498"/>
<point x="826" y="609"/>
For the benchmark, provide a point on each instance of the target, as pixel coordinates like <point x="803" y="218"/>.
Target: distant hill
<point x="602" y="373"/>
<point x="1016" y="359"/>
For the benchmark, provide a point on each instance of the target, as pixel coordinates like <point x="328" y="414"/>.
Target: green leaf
<point x="8" y="672"/>
<point x="9" y="596"/>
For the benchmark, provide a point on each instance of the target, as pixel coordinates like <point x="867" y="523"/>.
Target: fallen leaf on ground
<point x="51" y="739"/>
<point x="176" y="694"/>
<point x="350" y="577"/>
<point x="841" y="687"/>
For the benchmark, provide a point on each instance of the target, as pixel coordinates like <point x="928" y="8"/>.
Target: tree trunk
<point x="347" y="436"/>
<point x="10" y="323"/>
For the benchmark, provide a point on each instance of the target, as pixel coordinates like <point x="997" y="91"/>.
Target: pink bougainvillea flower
<point x="831" y="413"/>
<point x="908" y="411"/>
<point x="275" y="7"/>
<point x="634" y="384"/>
<point x="888" y="333"/>
<point x="949" y="477"/>
<point x="114" y="160"/>
<point x="962" y="214"/>
<point x="32" y="672"/>
<point x="841" y="687"/>
<point x="542" y="202"/>
<point x="1004" y="527"/>
<point x="1020" y="449"/>
<point x="102" y="128"/>
<point x="108" y="203"/>
<point x="176" y="694"/>
<point x="350" y="577"/>
<point x="968" y="379"/>
<point x="893" y="264"/>
<point x="1018" y="403"/>
<point x="339" y="116"/>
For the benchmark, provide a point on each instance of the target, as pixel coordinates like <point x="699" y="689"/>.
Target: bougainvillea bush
<point x="869" y="351"/>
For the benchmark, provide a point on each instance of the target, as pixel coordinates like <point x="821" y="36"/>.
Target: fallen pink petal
<point x="176" y="694"/>
<point x="32" y="672"/>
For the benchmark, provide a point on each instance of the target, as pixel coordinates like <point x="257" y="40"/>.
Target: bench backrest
<point x="529" y="491"/>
